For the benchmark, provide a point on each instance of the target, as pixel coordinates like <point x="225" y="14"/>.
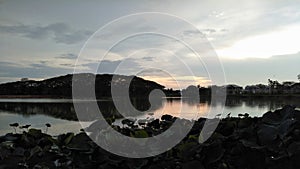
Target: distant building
<point x="295" y="88"/>
<point x="257" y="89"/>
<point x="288" y="84"/>
<point x="191" y="91"/>
<point x="24" y="79"/>
<point x="251" y="89"/>
<point x="233" y="89"/>
<point x="287" y="87"/>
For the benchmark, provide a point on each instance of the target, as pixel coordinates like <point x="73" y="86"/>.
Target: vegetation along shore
<point x="271" y="141"/>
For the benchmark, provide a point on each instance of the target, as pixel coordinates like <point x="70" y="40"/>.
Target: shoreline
<point x="32" y="97"/>
<point x="271" y="141"/>
<point x="167" y="97"/>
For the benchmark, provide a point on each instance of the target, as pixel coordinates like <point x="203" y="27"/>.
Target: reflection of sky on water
<point x="195" y="111"/>
<point x="191" y="110"/>
<point x="39" y="111"/>
<point x="58" y="126"/>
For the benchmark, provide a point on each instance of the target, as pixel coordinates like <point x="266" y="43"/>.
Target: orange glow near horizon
<point x="179" y="82"/>
<point x="182" y="110"/>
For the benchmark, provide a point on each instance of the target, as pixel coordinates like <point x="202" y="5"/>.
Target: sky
<point x="249" y="41"/>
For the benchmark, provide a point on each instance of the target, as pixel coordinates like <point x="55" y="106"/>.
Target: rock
<point x="167" y="117"/>
<point x="192" y="165"/>
<point x="267" y="134"/>
<point x="272" y="118"/>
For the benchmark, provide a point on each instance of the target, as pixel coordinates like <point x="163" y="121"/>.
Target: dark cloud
<point x="120" y="29"/>
<point x="67" y="56"/>
<point x="37" y="65"/>
<point x="59" y="32"/>
<point x="73" y="37"/>
<point x="67" y="64"/>
<point x="35" y="70"/>
<point x="104" y="66"/>
<point x="43" y="64"/>
<point x="154" y="72"/>
<point x="7" y="64"/>
<point x="126" y="66"/>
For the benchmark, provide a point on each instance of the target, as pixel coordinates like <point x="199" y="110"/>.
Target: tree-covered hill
<point x="62" y="86"/>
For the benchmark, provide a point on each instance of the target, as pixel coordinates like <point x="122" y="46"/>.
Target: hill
<point x="61" y="87"/>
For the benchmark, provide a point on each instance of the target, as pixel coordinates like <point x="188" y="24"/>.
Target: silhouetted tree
<point x="275" y="86"/>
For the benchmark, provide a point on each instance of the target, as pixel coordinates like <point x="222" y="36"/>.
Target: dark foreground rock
<point x="268" y="142"/>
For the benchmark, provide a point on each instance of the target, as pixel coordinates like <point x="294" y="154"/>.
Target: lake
<point x="61" y="115"/>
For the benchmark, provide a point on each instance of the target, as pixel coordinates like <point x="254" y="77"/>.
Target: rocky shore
<point x="268" y="142"/>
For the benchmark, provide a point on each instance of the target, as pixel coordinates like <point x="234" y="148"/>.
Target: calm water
<point x="60" y="112"/>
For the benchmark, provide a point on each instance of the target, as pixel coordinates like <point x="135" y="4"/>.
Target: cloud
<point x="208" y="31"/>
<point x="67" y="64"/>
<point x="154" y="73"/>
<point x="67" y="56"/>
<point x="192" y="33"/>
<point x="12" y="71"/>
<point x="105" y="66"/>
<point x="205" y="32"/>
<point x="59" y="32"/>
<point x="280" y="42"/>
<point x="224" y="23"/>
<point x="253" y="71"/>
<point x="148" y="58"/>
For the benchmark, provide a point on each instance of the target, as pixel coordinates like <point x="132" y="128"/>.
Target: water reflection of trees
<point x="67" y="111"/>
<point x="272" y="103"/>
<point x="108" y="109"/>
<point x="233" y="102"/>
<point x="57" y="110"/>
